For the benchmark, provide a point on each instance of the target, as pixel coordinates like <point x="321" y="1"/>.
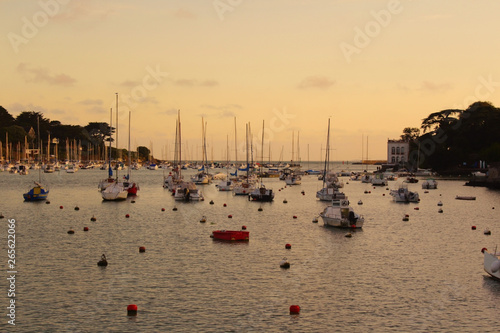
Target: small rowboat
<point x="231" y="235"/>
<point x="465" y="197"/>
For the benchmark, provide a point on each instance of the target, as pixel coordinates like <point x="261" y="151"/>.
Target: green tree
<point x="143" y="153"/>
<point x="6" y="119"/>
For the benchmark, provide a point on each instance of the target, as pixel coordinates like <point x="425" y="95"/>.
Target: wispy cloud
<point x="42" y="75"/>
<point x="224" y="111"/>
<point x="435" y="87"/>
<point x="316" y="82"/>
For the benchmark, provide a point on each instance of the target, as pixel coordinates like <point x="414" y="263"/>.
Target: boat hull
<point x="231" y="235"/>
<point x="492" y="265"/>
<point x="36" y="194"/>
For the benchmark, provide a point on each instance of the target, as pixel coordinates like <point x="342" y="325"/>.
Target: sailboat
<point x="331" y="184"/>
<point x="202" y="177"/>
<point x="246" y="186"/>
<point x="262" y="193"/>
<point x="37" y="192"/>
<point x="226" y="184"/>
<point x="184" y="191"/>
<point x="115" y="190"/>
<point x="131" y="186"/>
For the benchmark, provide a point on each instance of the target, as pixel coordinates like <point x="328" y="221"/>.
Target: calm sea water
<point x="422" y="275"/>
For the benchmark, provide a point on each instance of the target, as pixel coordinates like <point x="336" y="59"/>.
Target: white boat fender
<point x="495" y="266"/>
<point x="284" y="263"/>
<point x="487" y="232"/>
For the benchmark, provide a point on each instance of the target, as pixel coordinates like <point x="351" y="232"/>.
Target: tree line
<point x="25" y="127"/>
<point x="455" y="141"/>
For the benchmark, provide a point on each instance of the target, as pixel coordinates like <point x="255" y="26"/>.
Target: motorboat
<point x="339" y="214"/>
<point x="402" y="194"/>
<point x="429" y="184"/>
<point x="262" y="194"/>
<point x="492" y="263"/>
<point x="379" y="180"/>
<point x="225" y="185"/>
<point x="36" y="193"/>
<point x="187" y="191"/>
<point x="293" y="179"/>
<point x="329" y="194"/>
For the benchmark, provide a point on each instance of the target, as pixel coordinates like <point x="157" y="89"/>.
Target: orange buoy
<point x="85" y="228"/>
<point x="127" y="216"/>
<point x="71" y="232"/>
<point x="142" y="249"/>
<point x="294" y="309"/>
<point x="132" y="310"/>
<point x="473" y="227"/>
<point x="288" y="246"/>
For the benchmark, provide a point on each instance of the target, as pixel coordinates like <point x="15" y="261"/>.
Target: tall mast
<point x="116" y="143"/>
<point x="180" y="143"/>
<point x="110" y="170"/>
<point x="235" y="143"/>
<point x="327" y="154"/>
<point x="129" y="156"/>
<point x="293" y="148"/>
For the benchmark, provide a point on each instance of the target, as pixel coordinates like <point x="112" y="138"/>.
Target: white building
<point x="397" y="151"/>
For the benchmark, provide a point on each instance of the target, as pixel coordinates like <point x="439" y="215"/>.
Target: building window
<point x="402" y="159"/>
<point x="397" y="150"/>
<point x="402" y="150"/>
<point x="393" y="159"/>
<point x="393" y="150"/>
<point x="397" y="158"/>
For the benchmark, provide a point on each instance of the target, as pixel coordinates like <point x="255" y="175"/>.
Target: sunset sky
<point x="373" y="67"/>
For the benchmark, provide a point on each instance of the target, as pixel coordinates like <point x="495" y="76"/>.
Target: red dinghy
<point x="231" y="235"/>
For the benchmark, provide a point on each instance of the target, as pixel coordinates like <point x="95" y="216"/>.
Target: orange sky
<point x="373" y="67"/>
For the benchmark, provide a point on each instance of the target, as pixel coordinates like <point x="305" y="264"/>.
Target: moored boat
<point x="465" y="197"/>
<point x="231" y="235"/>
<point x="429" y="184"/>
<point x="492" y="263"/>
<point x="339" y="214"/>
<point x="36" y="193"/>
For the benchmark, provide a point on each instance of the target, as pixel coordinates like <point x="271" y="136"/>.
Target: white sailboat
<point x="331" y="183"/>
<point x="115" y="190"/>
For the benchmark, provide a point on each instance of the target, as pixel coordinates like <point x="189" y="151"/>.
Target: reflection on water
<point x="424" y="274"/>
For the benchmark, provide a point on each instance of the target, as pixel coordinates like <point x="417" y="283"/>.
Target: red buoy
<point x="288" y="246"/>
<point x="127" y="216"/>
<point x="163" y="209"/>
<point x="230" y="216"/>
<point x="383" y="194"/>
<point x="142" y="249"/>
<point x="243" y="227"/>
<point x="85" y="228"/>
<point x="61" y="207"/>
<point x="484" y="249"/>
<point x="225" y="205"/>
<point x="294" y="309"/>
<point x="132" y="310"/>
<point x="473" y="227"/>
<point x="295" y="216"/>
<point x="416" y="208"/>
